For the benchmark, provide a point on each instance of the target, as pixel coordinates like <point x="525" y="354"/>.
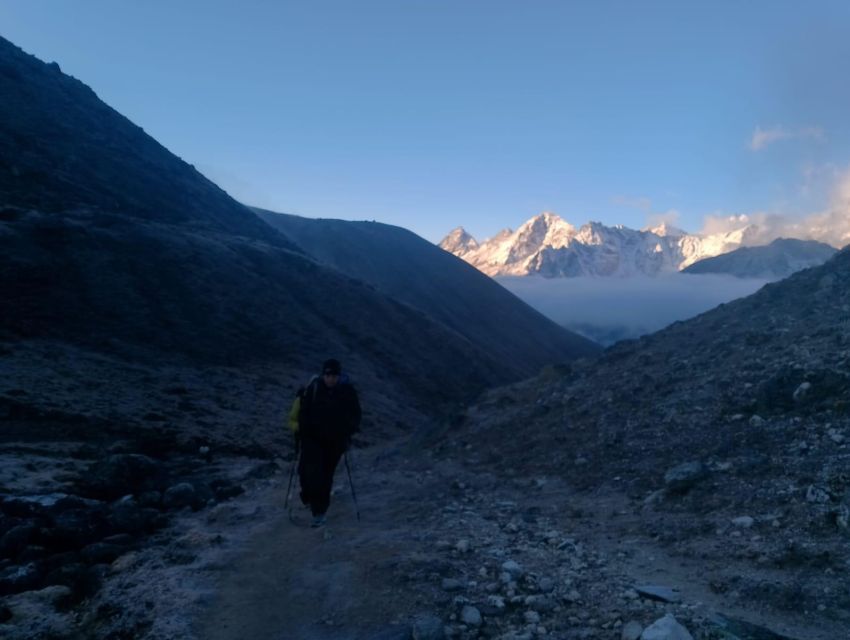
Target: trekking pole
<point x="351" y="484"/>
<point x="292" y="475"/>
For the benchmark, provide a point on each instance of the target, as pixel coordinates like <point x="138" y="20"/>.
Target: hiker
<point x="329" y="415"/>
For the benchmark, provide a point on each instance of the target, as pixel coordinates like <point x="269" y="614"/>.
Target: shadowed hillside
<point x="737" y="419"/>
<point x="409" y="269"/>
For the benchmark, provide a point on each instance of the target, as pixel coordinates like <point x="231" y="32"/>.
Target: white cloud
<point x="831" y="226"/>
<point x="761" y="138"/>
<point x="720" y="223"/>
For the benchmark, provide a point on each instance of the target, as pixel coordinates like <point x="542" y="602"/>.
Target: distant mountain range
<point x="551" y="247"/>
<point x="774" y="261"/>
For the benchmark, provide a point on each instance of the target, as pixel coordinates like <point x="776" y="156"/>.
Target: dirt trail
<point x="298" y="583"/>
<point x="366" y="580"/>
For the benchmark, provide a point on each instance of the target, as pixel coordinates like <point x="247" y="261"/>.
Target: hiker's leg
<point x="330" y="459"/>
<point x="310" y="471"/>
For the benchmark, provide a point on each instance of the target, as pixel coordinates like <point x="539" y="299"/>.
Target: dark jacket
<point x="330" y="415"/>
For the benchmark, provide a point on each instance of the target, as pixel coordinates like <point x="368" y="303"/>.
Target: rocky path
<point x="444" y="549"/>
<point x="298" y="583"/>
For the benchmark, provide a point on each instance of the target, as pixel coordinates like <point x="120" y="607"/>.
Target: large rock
<point x="471" y="616"/>
<point x="179" y="496"/>
<point x="659" y="593"/>
<point x="683" y="477"/>
<point x="666" y="628"/>
<point x="631" y="630"/>
<point x="121" y="474"/>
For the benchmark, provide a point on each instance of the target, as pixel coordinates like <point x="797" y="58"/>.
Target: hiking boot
<point x="318" y="521"/>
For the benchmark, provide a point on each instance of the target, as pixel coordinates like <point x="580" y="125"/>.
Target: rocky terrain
<point x="729" y="431"/>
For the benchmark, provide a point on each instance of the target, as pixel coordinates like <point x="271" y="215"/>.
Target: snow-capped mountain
<point x="549" y="246"/>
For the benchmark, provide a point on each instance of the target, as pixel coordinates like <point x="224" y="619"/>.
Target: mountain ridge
<point x="549" y="246"/>
<point x="776" y="260"/>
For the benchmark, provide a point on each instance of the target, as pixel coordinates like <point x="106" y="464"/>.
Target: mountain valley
<point x="514" y="481"/>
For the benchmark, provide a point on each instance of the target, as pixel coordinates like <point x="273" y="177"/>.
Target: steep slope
<point x="62" y="149"/>
<point x="412" y="270"/>
<point x="777" y="260"/>
<point x="549" y="246"/>
<point x="728" y="432"/>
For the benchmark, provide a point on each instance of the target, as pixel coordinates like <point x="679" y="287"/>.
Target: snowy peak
<point x="458" y="241"/>
<point x="665" y="230"/>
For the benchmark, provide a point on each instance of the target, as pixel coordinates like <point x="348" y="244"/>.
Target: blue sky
<point x="434" y="114"/>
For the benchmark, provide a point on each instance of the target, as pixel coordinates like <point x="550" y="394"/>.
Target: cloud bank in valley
<point x="611" y="309"/>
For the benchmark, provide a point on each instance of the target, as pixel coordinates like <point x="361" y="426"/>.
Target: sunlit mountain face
<point x="549" y="246"/>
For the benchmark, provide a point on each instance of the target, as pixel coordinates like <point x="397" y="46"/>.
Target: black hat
<point x="332" y="367"/>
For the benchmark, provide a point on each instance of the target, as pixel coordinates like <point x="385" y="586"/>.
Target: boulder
<point x="451" y="584"/>
<point x="661" y="594"/>
<point x="513" y="568"/>
<point x="546" y="585"/>
<point x="685" y="476"/>
<point x="121" y="474"/>
<point x="179" y="496"/>
<point x="631" y="630"/>
<point x="471" y="616"/>
<point x="666" y="628"/>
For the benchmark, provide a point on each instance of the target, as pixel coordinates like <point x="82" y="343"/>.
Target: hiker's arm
<point x="304" y="413"/>
<point x="294" y="416"/>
